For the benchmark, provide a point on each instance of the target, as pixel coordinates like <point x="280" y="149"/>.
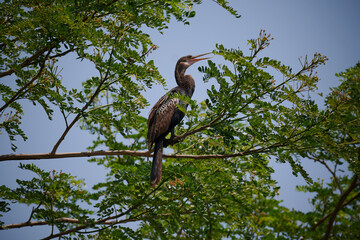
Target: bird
<point x="165" y="114"/>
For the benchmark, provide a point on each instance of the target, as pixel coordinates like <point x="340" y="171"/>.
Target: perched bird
<point x="165" y="114"/>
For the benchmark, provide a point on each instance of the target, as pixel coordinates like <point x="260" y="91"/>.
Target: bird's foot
<point x="171" y="141"/>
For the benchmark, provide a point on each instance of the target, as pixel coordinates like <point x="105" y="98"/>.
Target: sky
<point x="299" y="28"/>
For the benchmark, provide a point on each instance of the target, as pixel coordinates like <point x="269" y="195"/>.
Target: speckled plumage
<point x="165" y="114"/>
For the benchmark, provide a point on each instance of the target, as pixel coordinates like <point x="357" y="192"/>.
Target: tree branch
<point x="97" y="91"/>
<point x="38" y="156"/>
<point x="33" y="211"/>
<point x="63" y="53"/>
<point x="330" y="214"/>
<point x="27" y="84"/>
<point x="340" y="204"/>
<point x="222" y="113"/>
<point x="65" y="232"/>
<point x="330" y="170"/>
<point x="67" y="51"/>
<point x="38" y="223"/>
<point x="176" y="139"/>
<point x="26" y="63"/>
<point x="106" y="220"/>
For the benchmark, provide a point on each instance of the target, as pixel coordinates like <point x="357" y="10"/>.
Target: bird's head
<point x="189" y="60"/>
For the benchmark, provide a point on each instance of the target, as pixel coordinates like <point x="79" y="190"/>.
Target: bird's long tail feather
<point x="155" y="175"/>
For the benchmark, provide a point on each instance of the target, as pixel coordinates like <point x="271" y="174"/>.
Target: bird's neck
<point x="185" y="82"/>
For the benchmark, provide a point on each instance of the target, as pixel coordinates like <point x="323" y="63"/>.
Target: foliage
<point x="343" y="141"/>
<point x="55" y="194"/>
<point x="218" y="182"/>
<point x="111" y="35"/>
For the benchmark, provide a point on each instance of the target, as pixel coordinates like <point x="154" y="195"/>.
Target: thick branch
<point x="37" y="156"/>
<point x="65" y="232"/>
<point x="39" y="223"/>
<point x="338" y="207"/>
<point x="330" y="214"/>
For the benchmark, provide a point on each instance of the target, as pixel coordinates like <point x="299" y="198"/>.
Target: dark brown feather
<point x="165" y="114"/>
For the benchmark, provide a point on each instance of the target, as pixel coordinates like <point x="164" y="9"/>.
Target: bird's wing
<point x="155" y="107"/>
<point x="160" y="116"/>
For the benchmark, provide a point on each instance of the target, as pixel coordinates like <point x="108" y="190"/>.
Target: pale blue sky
<point x="299" y="28"/>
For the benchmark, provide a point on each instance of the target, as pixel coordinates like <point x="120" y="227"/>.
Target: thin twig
<point x="330" y="170"/>
<point x="27" y="62"/>
<point x="33" y="211"/>
<point x="104" y="220"/>
<point x="26" y="85"/>
<point x="77" y="117"/>
<point x="199" y="129"/>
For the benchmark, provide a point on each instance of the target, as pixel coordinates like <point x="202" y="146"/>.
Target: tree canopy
<point x="217" y="181"/>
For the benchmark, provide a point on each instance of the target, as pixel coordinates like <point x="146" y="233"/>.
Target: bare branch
<point x="33" y="211"/>
<point x="38" y="223"/>
<point x="37" y="156"/>
<point x="330" y="170"/>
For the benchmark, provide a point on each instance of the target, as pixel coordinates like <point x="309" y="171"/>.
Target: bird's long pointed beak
<point x="195" y="59"/>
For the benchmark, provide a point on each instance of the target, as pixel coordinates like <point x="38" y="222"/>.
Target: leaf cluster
<point x="111" y="35"/>
<point x="52" y="195"/>
<point x="249" y="109"/>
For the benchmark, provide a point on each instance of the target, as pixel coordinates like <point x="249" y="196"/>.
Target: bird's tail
<point x="155" y="175"/>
